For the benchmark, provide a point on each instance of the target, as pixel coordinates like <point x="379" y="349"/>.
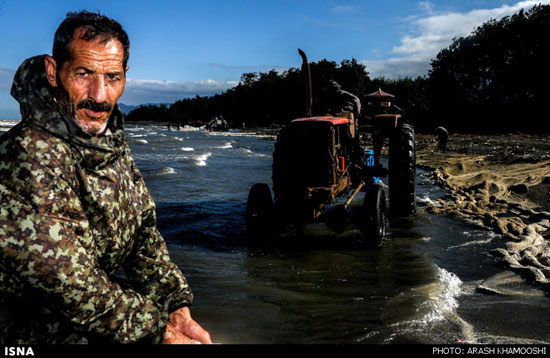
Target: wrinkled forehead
<point x="97" y="52"/>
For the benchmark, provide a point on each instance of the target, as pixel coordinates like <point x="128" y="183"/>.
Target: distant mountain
<point x="126" y="108"/>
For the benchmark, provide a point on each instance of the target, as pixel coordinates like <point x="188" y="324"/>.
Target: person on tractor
<point x="345" y="101"/>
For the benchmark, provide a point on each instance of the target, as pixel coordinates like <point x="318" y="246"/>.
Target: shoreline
<point x="499" y="183"/>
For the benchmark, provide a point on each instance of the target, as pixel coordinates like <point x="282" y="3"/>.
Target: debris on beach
<point x="500" y="183"/>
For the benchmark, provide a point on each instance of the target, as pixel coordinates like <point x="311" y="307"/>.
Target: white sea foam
<point x="141" y="141"/>
<point x="446" y="299"/>
<point x="225" y="146"/>
<point x="201" y="159"/>
<point x="187" y="128"/>
<point x="5" y="125"/>
<point x="426" y="200"/>
<point x="240" y="134"/>
<point x="439" y="302"/>
<point x="251" y="153"/>
<point x="470" y="243"/>
<point x="187" y="149"/>
<point x="479" y="238"/>
<point x="165" y="170"/>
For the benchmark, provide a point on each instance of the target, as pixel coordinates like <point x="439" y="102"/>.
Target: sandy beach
<point x="501" y="183"/>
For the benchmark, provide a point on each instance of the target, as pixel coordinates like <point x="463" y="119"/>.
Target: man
<point x="345" y="101"/>
<point x="442" y="138"/>
<point x="74" y="207"/>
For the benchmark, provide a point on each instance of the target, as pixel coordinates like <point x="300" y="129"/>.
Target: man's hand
<point x="182" y="329"/>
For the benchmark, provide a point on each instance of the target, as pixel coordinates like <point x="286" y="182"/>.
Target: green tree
<point x="496" y="78"/>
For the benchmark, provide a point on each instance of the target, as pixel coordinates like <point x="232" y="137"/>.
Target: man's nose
<point x="98" y="89"/>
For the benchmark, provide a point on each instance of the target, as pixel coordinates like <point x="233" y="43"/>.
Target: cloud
<point x="434" y="31"/>
<point x="438" y="30"/>
<point x="426" y="6"/>
<point x="154" y="91"/>
<point x="397" y="67"/>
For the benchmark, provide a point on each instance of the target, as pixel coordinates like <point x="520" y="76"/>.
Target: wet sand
<point x="501" y="183"/>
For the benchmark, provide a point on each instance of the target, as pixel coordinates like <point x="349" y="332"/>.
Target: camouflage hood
<point x="39" y="108"/>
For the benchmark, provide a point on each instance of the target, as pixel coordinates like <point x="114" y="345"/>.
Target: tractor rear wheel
<point x="402" y="171"/>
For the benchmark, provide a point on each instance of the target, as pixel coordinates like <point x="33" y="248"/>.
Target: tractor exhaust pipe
<point x="307" y="77"/>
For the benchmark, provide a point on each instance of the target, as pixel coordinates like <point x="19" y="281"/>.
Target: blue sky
<point x="184" y="48"/>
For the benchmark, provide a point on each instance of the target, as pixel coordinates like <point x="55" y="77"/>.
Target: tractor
<point x="319" y="160"/>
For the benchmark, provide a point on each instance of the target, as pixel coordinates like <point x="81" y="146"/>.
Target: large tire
<point x="259" y="211"/>
<point x="374" y="215"/>
<point x="402" y="171"/>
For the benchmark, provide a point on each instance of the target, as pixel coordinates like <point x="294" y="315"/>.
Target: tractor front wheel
<point x="374" y="215"/>
<point x="259" y="210"/>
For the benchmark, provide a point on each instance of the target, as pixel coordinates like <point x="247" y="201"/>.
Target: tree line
<point x="495" y="79"/>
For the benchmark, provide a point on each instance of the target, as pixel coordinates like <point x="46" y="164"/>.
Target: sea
<point x="419" y="287"/>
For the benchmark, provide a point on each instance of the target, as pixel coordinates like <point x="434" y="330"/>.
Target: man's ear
<point x="51" y="70"/>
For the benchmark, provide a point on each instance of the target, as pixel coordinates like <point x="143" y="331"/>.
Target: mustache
<point x="92" y="105"/>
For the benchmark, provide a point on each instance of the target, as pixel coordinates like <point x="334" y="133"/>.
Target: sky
<point x="186" y="48"/>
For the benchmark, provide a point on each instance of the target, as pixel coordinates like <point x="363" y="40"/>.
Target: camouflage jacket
<point x="74" y="209"/>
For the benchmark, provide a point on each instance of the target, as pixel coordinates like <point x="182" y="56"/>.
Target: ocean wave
<point x="479" y="238"/>
<point x="141" y="141"/>
<point x="165" y="171"/>
<point x="6" y="124"/>
<point x="426" y="200"/>
<point x="187" y="128"/>
<point x="439" y="301"/>
<point x="249" y="152"/>
<point x="187" y="149"/>
<point x="225" y="146"/>
<point x="240" y="134"/>
<point x="445" y="300"/>
<point x="133" y="129"/>
<point x="201" y="159"/>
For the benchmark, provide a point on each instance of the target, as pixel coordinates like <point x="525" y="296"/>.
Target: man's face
<point x="90" y="83"/>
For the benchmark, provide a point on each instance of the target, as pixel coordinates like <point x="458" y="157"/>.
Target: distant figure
<point x="442" y="137"/>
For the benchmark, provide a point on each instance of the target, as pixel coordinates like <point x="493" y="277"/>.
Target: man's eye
<point x="113" y="77"/>
<point x="82" y="74"/>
